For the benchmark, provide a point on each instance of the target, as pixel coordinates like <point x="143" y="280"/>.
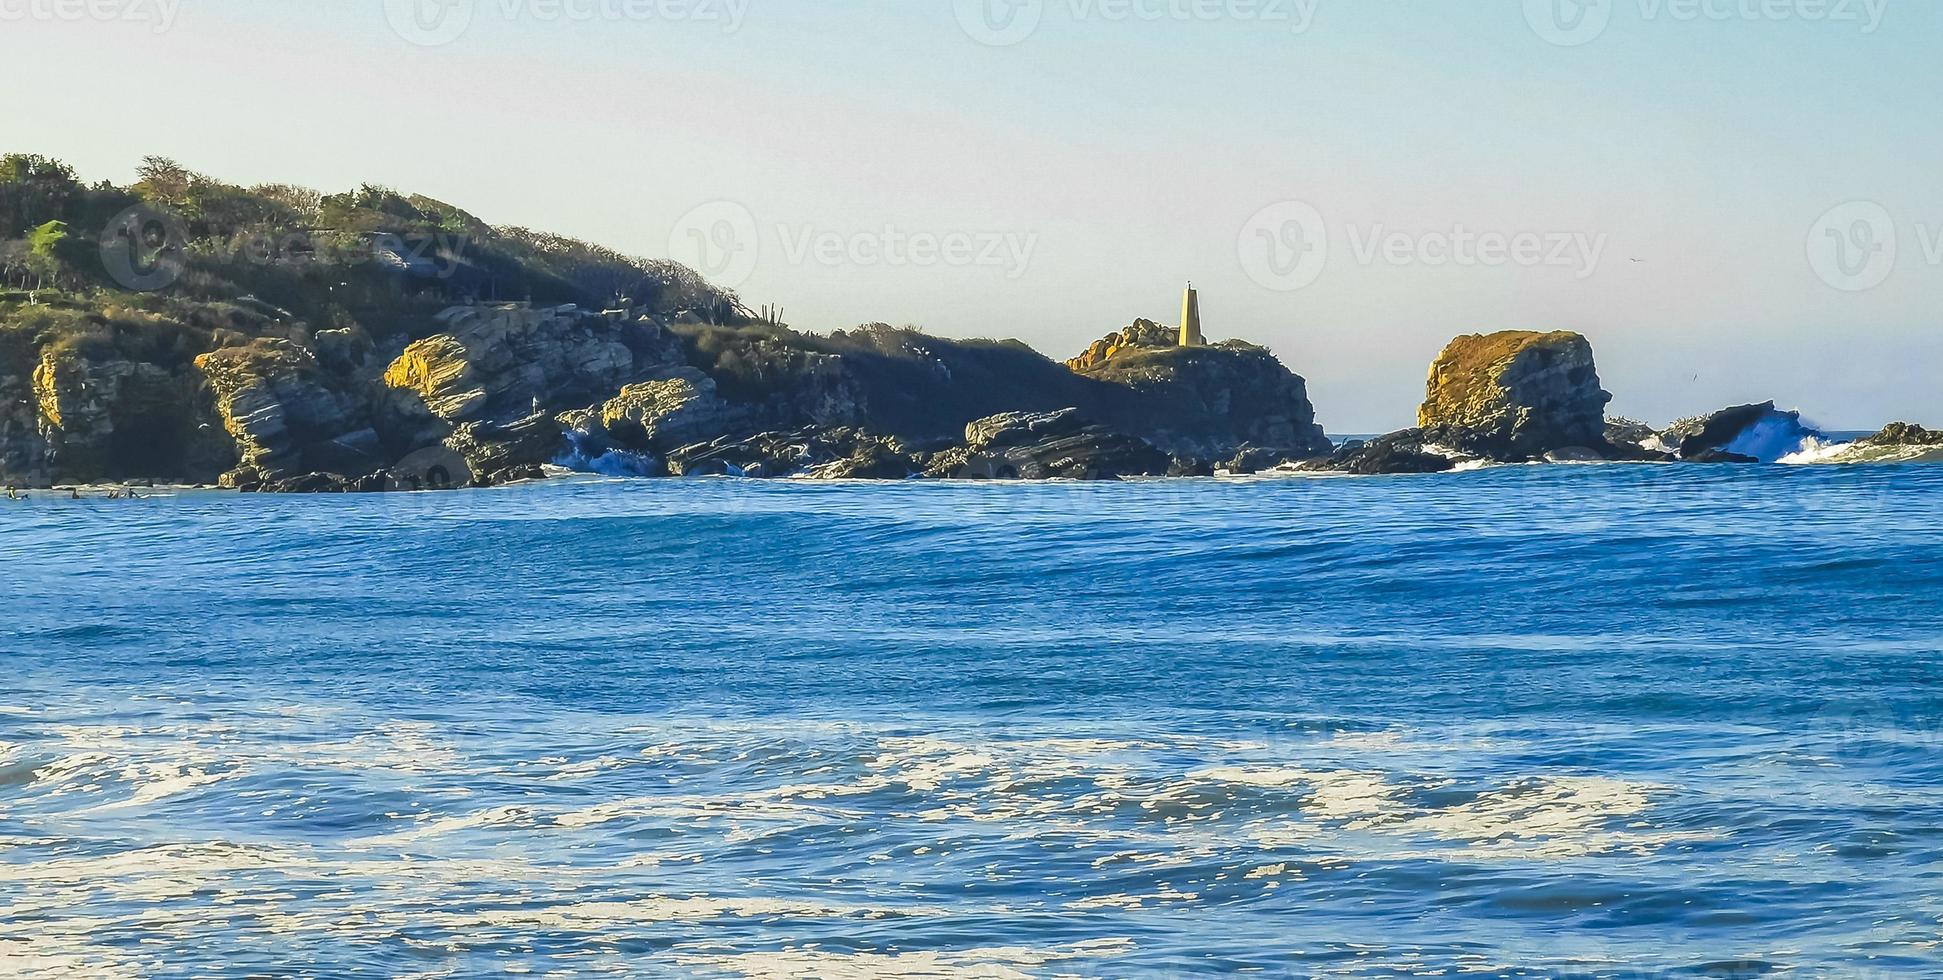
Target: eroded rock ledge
<point x="487" y="395"/>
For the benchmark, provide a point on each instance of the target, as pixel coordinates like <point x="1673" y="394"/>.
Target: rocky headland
<point x="370" y="346"/>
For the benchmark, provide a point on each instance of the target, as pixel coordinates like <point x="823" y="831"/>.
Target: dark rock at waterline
<point x="1398" y="452"/>
<point x="872" y="459"/>
<point x="1905" y="434"/>
<point x="1625" y="432"/>
<point x="489" y="448"/>
<point x="1048" y="446"/>
<point x="1719" y="456"/>
<point x="1702" y="435"/>
<point x="833" y="453"/>
<point x="1254" y="459"/>
<point x="525" y="473"/>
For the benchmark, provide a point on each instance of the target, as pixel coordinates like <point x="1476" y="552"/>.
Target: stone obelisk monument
<point x="1191" y="335"/>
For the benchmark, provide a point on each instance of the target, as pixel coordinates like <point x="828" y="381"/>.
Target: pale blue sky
<point x="1126" y="155"/>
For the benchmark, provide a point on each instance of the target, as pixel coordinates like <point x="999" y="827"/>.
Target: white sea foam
<point x="1159" y="818"/>
<point x="995" y="963"/>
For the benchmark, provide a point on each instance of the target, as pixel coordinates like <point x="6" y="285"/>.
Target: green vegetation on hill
<point x="371" y="257"/>
<point x="185" y="328"/>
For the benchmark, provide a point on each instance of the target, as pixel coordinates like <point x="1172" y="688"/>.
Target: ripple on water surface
<point x="1595" y="721"/>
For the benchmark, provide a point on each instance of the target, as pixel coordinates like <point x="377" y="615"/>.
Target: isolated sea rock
<point x="1515" y="395"/>
<point x="1898" y="442"/>
<point x="1745" y="433"/>
<point x="1048" y="446"/>
<point x="1206" y="402"/>
<point x="277" y="404"/>
<point x="496" y="364"/>
<point x="1905" y="435"/>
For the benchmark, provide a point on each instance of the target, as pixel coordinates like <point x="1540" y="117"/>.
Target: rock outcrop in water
<point x="1515" y="395"/>
<point x="1742" y="434"/>
<point x="348" y="364"/>
<point x="1046" y="446"/>
<point x="1905" y="435"/>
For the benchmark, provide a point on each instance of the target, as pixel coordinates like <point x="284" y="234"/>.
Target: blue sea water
<point x="1598" y="721"/>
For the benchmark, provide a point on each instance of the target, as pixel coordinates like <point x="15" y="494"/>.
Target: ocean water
<point x="1597" y="721"/>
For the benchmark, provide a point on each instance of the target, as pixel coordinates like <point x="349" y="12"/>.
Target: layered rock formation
<point x="1515" y="395"/>
<point x="1048" y="446"/>
<point x="499" y="364"/>
<point x="274" y="400"/>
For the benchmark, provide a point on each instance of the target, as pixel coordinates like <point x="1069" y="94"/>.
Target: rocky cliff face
<point x="91" y="414"/>
<point x="1206" y="402"/>
<point x="1515" y="395"/>
<point x="497" y="364"/>
<point x="286" y="418"/>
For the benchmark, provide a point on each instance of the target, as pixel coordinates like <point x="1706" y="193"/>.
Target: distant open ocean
<point x="1571" y="721"/>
